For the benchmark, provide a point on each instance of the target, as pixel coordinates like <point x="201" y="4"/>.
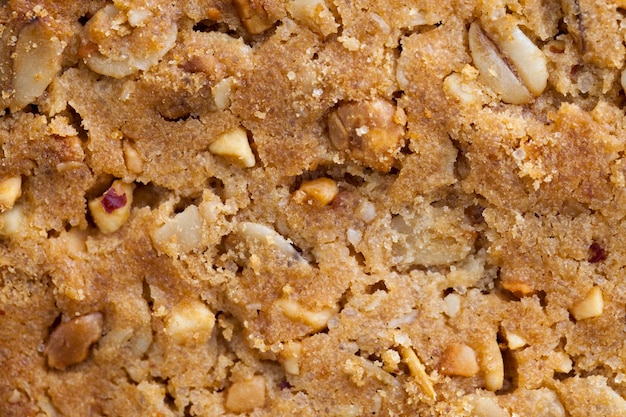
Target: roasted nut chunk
<point x="367" y="132"/>
<point x="69" y="343"/>
<point x="121" y="42"/>
<point x="253" y="16"/>
<point x="459" y="359"/>
<point x="37" y="59"/>
<point x="508" y="62"/>
<point x="246" y="395"/>
<point x="233" y="146"/>
<point x="111" y="210"/>
<point x="321" y="190"/>
<point x="190" y="323"/>
<point x="591" y="306"/>
<point x="10" y="191"/>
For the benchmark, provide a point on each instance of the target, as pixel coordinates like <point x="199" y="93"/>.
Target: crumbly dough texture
<point x="312" y="208"/>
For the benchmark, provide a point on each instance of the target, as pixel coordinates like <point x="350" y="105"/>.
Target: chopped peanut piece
<point x="264" y="234"/>
<point x="253" y="17"/>
<point x="492" y="365"/>
<point x="10" y="191"/>
<point x="485" y="407"/>
<point x="561" y="362"/>
<point x="367" y="131"/>
<point x="322" y="190"/>
<point x="11" y="221"/>
<point x="181" y="233"/>
<point x="592" y="306"/>
<point x="314" y="14"/>
<point x="418" y="371"/>
<point x="514" y="341"/>
<point x="518" y="288"/>
<point x="37" y="59"/>
<point x="190" y="323"/>
<point x="69" y="343"/>
<point x="246" y="395"/>
<point x="314" y="319"/>
<point x="120" y="42"/>
<point x="134" y="163"/>
<point x="111" y="210"/>
<point x="291" y="357"/>
<point x="234" y="147"/>
<point x="459" y="359"/>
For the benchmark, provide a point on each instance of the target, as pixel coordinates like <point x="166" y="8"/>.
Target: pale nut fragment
<point x="368" y="132"/>
<point x="246" y="395"/>
<point x="12" y="221"/>
<point x="512" y="65"/>
<point x="264" y="234"/>
<point x="513" y="340"/>
<point x="591" y="306"/>
<point x="623" y="79"/>
<point x="181" y="233"/>
<point x="10" y="191"/>
<point x="190" y="323"/>
<point x="70" y="341"/>
<point x="418" y="371"/>
<point x="253" y="16"/>
<point x="233" y="146"/>
<point x="314" y="14"/>
<point x="459" y="359"/>
<point x="317" y="320"/>
<point x="37" y="60"/>
<point x="134" y="162"/>
<point x="120" y="43"/>
<point x="485" y="407"/>
<point x="321" y="190"/>
<point x="290" y="357"/>
<point x="111" y="210"/>
<point x="492" y="364"/>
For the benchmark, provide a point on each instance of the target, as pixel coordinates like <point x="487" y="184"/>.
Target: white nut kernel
<point x="12" y="221"/>
<point x="111" y="210"/>
<point x="512" y="65"/>
<point x="592" y="306"/>
<point x="485" y="407"/>
<point x="190" y="323"/>
<point x="514" y="341"/>
<point x="452" y="305"/>
<point x="322" y="190"/>
<point x="492" y="365"/>
<point x="459" y="359"/>
<point x="221" y="93"/>
<point x="317" y="320"/>
<point x="37" y="59"/>
<point x="562" y="362"/>
<point x="314" y="14"/>
<point x="121" y="43"/>
<point x="234" y="147"/>
<point x="134" y="163"/>
<point x="290" y="357"/>
<point x="10" y="191"/>
<point x="264" y="234"/>
<point x="246" y="395"/>
<point x="180" y="234"/>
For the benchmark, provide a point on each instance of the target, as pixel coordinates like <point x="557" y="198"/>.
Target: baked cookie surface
<point x="312" y="208"/>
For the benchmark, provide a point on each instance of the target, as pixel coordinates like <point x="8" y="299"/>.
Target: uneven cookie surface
<point x="312" y="208"/>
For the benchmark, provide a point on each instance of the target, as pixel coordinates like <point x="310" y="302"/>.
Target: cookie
<point x="312" y="208"/>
